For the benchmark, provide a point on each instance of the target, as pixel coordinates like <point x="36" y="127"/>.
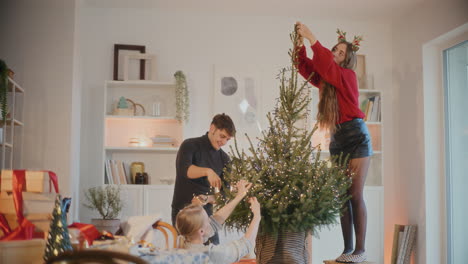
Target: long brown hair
<point x="328" y="109"/>
<point x="188" y="221"/>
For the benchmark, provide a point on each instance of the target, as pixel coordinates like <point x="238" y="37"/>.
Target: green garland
<point x="296" y="189"/>
<point x="182" y="99"/>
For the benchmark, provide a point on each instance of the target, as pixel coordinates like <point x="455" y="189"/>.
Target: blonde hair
<point x="188" y="221"/>
<point x="328" y="113"/>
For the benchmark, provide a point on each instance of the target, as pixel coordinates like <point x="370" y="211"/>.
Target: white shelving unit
<point x="11" y="138"/>
<point x="159" y="161"/>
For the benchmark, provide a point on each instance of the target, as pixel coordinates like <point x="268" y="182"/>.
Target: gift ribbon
<point x="52" y="181"/>
<point x="89" y="231"/>
<point x="25" y="230"/>
<point x="4" y="226"/>
<point x="19" y="184"/>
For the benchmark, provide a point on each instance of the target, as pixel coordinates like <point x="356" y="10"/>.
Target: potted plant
<point x="3" y="89"/>
<point x="107" y="202"/>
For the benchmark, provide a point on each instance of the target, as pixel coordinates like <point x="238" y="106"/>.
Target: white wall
<point x="412" y="202"/>
<point x="38" y="44"/>
<point x="194" y="42"/>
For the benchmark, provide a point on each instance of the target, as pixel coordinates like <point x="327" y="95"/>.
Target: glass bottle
<point x="139" y="179"/>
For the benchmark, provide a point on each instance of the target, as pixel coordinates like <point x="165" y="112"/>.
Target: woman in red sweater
<point x="338" y="111"/>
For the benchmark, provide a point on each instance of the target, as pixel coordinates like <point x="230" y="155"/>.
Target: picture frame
<point x="150" y="58"/>
<point x="361" y="73"/>
<point x="118" y="57"/>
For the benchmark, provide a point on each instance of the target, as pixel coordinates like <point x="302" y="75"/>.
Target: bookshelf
<point x="11" y="131"/>
<point x="127" y="138"/>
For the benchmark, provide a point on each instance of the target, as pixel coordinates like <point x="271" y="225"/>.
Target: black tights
<point x="355" y="212"/>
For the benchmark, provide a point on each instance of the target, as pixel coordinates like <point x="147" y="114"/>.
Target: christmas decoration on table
<point x="296" y="189"/>
<point x="58" y="240"/>
<point x="182" y="98"/>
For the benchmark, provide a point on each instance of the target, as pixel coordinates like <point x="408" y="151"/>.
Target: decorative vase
<point x="110" y="225"/>
<point x="135" y="167"/>
<point x="286" y="247"/>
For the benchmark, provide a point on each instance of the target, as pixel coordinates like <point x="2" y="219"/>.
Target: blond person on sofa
<point x="195" y="227"/>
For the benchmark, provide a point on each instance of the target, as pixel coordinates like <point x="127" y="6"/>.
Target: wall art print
<point x="237" y="93"/>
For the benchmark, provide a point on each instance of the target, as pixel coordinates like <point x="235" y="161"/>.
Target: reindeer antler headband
<point x="342" y="38"/>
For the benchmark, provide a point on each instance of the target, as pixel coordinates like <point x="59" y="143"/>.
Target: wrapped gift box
<point x="41" y="221"/>
<point x="36" y="181"/>
<point x="22" y="251"/>
<point x="33" y="203"/>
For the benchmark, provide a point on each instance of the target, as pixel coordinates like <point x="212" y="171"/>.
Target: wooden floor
<point x="334" y="262"/>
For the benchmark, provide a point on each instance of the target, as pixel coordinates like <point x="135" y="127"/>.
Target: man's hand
<point x="213" y="178"/>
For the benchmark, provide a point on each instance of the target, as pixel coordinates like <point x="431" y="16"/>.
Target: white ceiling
<point x="365" y="9"/>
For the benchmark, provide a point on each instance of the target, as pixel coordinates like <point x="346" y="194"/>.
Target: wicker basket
<point x="286" y="247"/>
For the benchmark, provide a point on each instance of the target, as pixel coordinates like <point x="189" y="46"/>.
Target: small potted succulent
<point x="107" y="202"/>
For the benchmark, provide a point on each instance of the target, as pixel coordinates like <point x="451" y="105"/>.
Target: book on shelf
<point x="128" y="175"/>
<point x="120" y="168"/>
<point x="114" y="172"/>
<point x="374" y="116"/>
<point x="117" y="172"/>
<point x="108" y="172"/>
<point x="371" y="108"/>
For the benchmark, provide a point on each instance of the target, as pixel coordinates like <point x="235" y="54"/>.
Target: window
<point x="456" y="150"/>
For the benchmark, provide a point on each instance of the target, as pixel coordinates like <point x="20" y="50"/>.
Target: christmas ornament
<point x="58" y="240"/>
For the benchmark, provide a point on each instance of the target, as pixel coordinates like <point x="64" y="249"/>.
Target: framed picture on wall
<point x="120" y="50"/>
<point x="361" y="73"/>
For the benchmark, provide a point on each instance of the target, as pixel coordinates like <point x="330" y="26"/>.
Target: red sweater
<point x="326" y="69"/>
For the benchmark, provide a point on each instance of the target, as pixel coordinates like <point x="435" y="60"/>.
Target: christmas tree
<point x="58" y="240"/>
<point x="297" y="190"/>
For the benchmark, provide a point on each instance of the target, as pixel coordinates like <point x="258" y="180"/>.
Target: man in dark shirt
<point x="199" y="166"/>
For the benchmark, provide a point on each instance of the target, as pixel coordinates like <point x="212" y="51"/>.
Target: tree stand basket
<point x="286" y="247"/>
